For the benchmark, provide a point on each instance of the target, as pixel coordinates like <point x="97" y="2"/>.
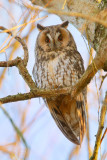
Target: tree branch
<point x="26" y="76"/>
<point x="10" y="63"/>
<point x="100" y="129"/>
<point x="97" y="64"/>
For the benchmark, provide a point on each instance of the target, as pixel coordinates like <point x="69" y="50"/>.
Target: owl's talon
<point x="53" y="87"/>
<point x="60" y="86"/>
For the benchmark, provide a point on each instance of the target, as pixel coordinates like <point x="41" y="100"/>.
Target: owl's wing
<point x="34" y="73"/>
<point x="81" y="114"/>
<point x="62" y="123"/>
<point x="80" y="98"/>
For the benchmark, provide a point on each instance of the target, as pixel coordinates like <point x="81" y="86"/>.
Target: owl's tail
<point x="62" y="123"/>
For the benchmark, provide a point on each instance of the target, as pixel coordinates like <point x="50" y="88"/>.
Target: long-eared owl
<point x="58" y="64"/>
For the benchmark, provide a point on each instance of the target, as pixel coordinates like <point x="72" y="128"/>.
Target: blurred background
<point x="32" y="117"/>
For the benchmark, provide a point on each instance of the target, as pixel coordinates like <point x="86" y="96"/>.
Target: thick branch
<point x="100" y="128"/>
<point x="17" y="97"/>
<point x="26" y="76"/>
<point x="34" y="94"/>
<point x="10" y="63"/>
<point x="84" y="80"/>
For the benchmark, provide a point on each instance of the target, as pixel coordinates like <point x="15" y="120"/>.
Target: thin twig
<point x="14" y="62"/>
<point x="103" y="135"/>
<point x="73" y="14"/>
<point x="103" y="78"/>
<point x="81" y="15"/>
<point x="74" y="152"/>
<point x="100" y="129"/>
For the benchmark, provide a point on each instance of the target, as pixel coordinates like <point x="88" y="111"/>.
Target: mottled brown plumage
<point x="58" y="64"/>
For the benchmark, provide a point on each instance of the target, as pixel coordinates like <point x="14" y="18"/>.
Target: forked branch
<point x="35" y="92"/>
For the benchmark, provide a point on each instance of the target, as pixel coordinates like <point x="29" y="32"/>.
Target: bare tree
<point x="89" y="17"/>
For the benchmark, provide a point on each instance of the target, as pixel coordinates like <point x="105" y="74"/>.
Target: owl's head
<point x="54" y="38"/>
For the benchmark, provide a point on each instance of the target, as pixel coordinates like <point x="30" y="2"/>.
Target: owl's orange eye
<point x="60" y="38"/>
<point x="47" y="40"/>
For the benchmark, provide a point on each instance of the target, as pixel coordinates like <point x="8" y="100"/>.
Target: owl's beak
<point x="54" y="46"/>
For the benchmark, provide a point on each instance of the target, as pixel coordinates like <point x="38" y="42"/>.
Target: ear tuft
<point x="65" y="24"/>
<point x="40" y="27"/>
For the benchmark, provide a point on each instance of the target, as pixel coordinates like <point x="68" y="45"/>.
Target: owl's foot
<point x="57" y="87"/>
